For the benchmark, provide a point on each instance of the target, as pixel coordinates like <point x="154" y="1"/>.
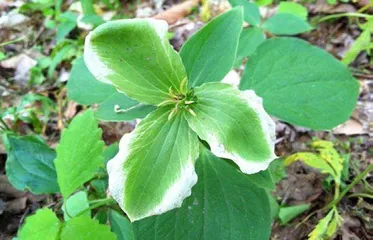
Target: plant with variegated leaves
<point x="198" y="158"/>
<point x="154" y="169"/>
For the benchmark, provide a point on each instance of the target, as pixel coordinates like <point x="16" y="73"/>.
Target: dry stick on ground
<point x="179" y="11"/>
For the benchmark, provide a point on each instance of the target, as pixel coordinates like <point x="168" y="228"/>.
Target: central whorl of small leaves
<point x="181" y="98"/>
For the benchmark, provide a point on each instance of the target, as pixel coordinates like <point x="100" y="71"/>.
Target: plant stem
<point x="12" y="41"/>
<point x="343" y="15"/>
<point x="96" y="204"/>
<point x="5" y="126"/>
<point x="357" y="179"/>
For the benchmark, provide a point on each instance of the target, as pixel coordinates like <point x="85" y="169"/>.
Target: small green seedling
<point x="290" y="19"/>
<point x="329" y="161"/>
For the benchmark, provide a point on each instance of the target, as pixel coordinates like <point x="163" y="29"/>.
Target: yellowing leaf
<point x="321" y="228"/>
<point x="312" y="160"/>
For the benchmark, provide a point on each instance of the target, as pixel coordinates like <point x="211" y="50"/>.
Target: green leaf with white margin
<point x="43" y="225"/>
<point x="120" y="225"/>
<point x="85" y="228"/>
<point x="210" y="53"/>
<point x="293" y="8"/>
<point x="79" y="153"/>
<point x="83" y="88"/>
<point x="75" y="204"/>
<point x="30" y="164"/>
<point x="286" y="24"/>
<point x="251" y="11"/>
<point x="223" y="205"/>
<point x="135" y="56"/>
<point x="307" y="87"/>
<point x="235" y="125"/>
<point x="154" y="169"/>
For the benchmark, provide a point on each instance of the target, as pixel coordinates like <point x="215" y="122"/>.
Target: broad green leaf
<point x="68" y="23"/>
<point x="263" y="2"/>
<point x="250" y="39"/>
<point x="321" y="227"/>
<point x="293" y="8"/>
<point x="100" y="185"/>
<point x="275" y="207"/>
<point x="286" y="214"/>
<point x="286" y="24"/>
<point x="85" y="228"/>
<point x="277" y="170"/>
<point x="306" y="87"/>
<point x="121" y="226"/>
<point x="75" y="204"/>
<point x="262" y="179"/>
<point x="111" y="151"/>
<point x="223" y="205"/>
<point x="360" y="44"/>
<point x="154" y="169"/>
<point x="83" y="88"/>
<point x="61" y="55"/>
<point x="43" y="225"/>
<point x="135" y="56"/>
<point x="251" y="12"/>
<point x="87" y="7"/>
<point x="210" y="53"/>
<point x="235" y="125"/>
<point x="129" y="109"/>
<point x="102" y="216"/>
<point x="29" y="165"/>
<point x="79" y="153"/>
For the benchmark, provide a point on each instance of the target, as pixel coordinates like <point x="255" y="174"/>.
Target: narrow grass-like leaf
<point x="154" y="169"/>
<point x="235" y="125"/>
<point x="210" y="53"/>
<point x="135" y="56"/>
<point x="79" y="153"/>
<point x="223" y="205"/>
<point x="307" y="87"/>
<point x="360" y="44"/>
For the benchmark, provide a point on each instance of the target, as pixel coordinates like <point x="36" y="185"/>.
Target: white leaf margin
<point x="174" y="196"/>
<point x="98" y="69"/>
<point x="269" y="129"/>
